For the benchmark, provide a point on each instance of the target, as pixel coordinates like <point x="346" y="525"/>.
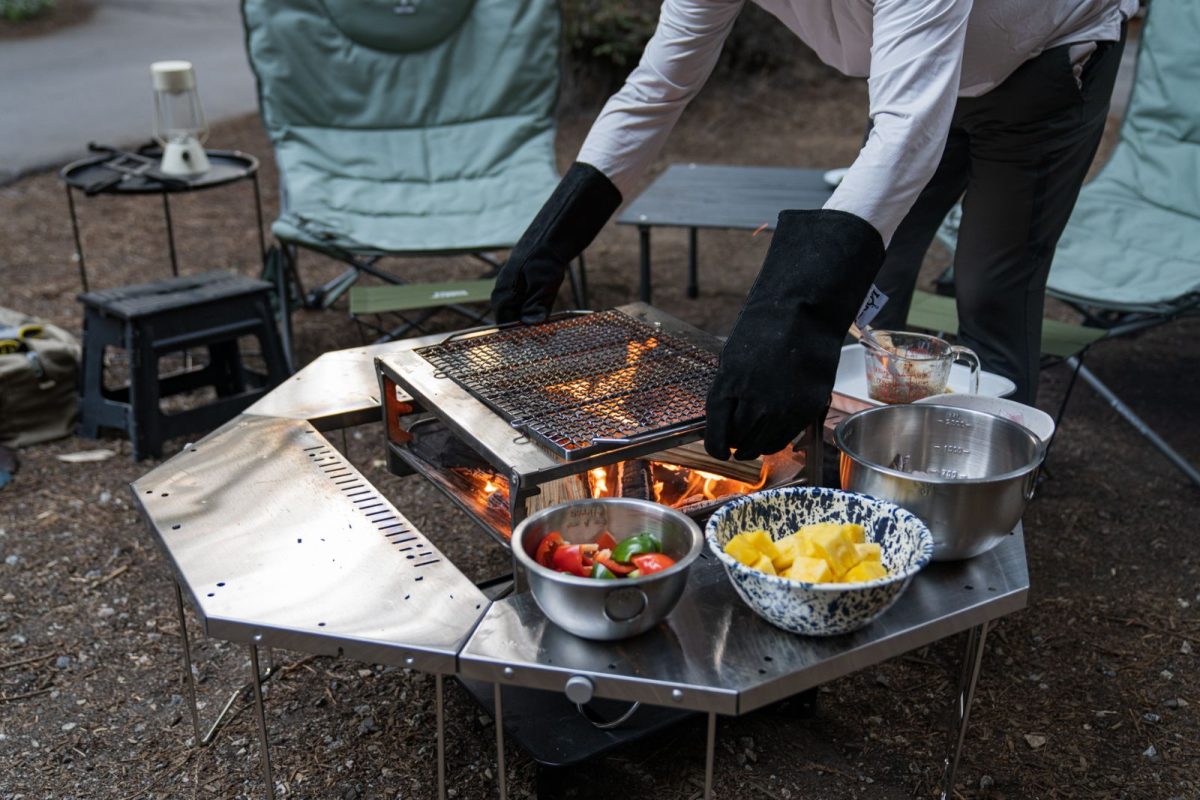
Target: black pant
<point x="1020" y="154"/>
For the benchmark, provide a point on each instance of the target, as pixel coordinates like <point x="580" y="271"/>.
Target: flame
<point x="606" y="386"/>
<point x="599" y="482"/>
<point x="489" y="487"/>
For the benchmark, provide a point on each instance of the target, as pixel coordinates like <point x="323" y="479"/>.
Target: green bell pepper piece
<point x="635" y="545"/>
<point x="603" y="572"/>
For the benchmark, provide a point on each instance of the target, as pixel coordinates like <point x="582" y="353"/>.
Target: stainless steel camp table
<point x="714" y="655"/>
<point x="278" y="541"/>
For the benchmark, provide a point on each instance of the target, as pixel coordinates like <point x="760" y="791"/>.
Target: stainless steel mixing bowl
<point x="966" y="474"/>
<point x="607" y="609"/>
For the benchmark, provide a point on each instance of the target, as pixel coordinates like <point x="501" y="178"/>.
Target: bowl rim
<point x="968" y="400"/>
<point x="851" y="453"/>
<point x="925" y="536"/>
<point x="680" y="565"/>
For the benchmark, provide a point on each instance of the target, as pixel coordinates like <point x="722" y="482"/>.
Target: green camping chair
<point x="405" y="128"/>
<point x="1129" y="258"/>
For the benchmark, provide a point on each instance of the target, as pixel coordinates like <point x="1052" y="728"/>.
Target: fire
<point x="701" y="485"/>
<point x="610" y="386"/>
<point x="489" y="487"/>
<point x="675" y="485"/>
<point x="599" y="482"/>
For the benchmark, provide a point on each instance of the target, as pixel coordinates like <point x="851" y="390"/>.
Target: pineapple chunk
<point x="870" y="551"/>
<point x="809" y="570"/>
<point x="854" y="533"/>
<point x="831" y="545"/>
<point x="790" y="548"/>
<point x="865" y="571"/>
<point x="761" y="540"/>
<point x="764" y="565"/>
<point x="741" y="548"/>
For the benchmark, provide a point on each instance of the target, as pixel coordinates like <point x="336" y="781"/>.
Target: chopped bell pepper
<point x="569" y="559"/>
<point x="603" y="572"/>
<point x="650" y="563"/>
<point x="603" y="557"/>
<point x="550" y="542"/>
<point x="635" y="545"/>
<point x="606" y="541"/>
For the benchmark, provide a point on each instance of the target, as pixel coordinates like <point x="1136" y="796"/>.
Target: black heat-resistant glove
<point x="528" y="282"/>
<point x="779" y="364"/>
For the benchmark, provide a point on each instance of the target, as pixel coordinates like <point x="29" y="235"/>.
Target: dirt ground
<point x="1091" y="692"/>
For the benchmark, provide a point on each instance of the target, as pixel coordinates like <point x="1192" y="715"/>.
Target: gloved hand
<point x="778" y="366"/>
<point x="576" y="211"/>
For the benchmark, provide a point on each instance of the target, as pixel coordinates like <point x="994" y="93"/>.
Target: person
<point x="1004" y="100"/>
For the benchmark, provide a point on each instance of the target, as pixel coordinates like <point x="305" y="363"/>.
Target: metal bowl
<point x="600" y="609"/>
<point x="967" y="474"/>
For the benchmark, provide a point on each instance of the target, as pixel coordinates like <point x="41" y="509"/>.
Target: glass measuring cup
<point x="903" y="367"/>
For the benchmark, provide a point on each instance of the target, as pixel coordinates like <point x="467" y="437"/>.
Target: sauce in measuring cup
<point x="904" y="367"/>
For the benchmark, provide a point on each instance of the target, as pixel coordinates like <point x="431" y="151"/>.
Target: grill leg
<point x="972" y="662"/>
<point x="264" y="753"/>
<point x="710" y="749"/>
<point x="501" y="776"/>
<point x="441" y="737"/>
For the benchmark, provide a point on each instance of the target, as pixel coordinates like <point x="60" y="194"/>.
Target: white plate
<point x="833" y="178"/>
<point x="1037" y="421"/>
<point x="852" y="378"/>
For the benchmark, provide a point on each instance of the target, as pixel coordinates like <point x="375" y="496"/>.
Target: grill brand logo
<point x="448" y="294"/>
<point x="406" y="6"/>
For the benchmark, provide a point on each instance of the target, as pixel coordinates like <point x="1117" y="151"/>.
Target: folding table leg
<point x="644" y="239"/>
<point x="972" y="662"/>
<point x="693" y="286"/>
<point x="501" y="775"/>
<point x="203" y="740"/>
<point x="264" y="752"/>
<point x="710" y="749"/>
<point x="441" y="737"/>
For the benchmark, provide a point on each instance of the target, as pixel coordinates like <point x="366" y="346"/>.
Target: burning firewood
<point x="693" y="456"/>
<point x="635" y="479"/>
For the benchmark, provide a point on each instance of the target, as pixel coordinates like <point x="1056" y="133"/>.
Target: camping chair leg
<point x="281" y="272"/>
<point x="1133" y="419"/>
<point x="325" y="295"/>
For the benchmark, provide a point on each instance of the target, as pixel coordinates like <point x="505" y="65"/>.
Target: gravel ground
<point x="1088" y="693"/>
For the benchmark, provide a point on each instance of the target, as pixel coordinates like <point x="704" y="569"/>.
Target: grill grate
<point x="584" y="383"/>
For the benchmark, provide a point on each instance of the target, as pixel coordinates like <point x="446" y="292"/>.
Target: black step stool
<point x="150" y="320"/>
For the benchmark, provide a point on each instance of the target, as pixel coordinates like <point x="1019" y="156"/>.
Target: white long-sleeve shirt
<point x="918" y="56"/>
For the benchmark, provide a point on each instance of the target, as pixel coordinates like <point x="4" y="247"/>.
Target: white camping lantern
<point x="179" y="124"/>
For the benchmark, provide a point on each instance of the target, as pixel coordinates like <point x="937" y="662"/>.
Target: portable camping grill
<point x="585" y="383"/>
<point x="602" y="397"/>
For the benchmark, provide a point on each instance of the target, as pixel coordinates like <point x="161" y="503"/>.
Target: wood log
<point x="693" y="456"/>
<point x="633" y="479"/>
<point x="572" y="487"/>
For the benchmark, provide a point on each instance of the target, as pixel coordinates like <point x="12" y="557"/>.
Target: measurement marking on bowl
<point x="953" y="449"/>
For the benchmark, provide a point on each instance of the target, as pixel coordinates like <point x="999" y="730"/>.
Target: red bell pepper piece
<point x="605" y="558"/>
<point x="649" y="563"/>
<point x="550" y="542"/>
<point x="606" y="541"/>
<point x="569" y="559"/>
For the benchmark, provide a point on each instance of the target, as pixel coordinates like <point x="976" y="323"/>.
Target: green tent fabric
<point x="1133" y="241"/>
<point x="404" y="126"/>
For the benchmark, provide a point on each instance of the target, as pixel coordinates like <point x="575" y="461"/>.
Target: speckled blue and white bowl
<point x="821" y="609"/>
